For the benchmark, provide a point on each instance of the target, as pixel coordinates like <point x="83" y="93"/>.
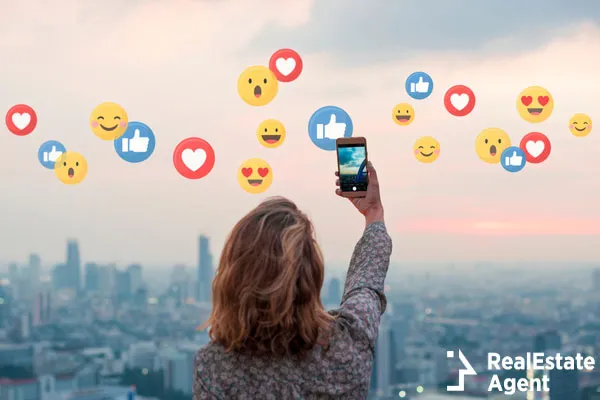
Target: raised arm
<point x="364" y="301"/>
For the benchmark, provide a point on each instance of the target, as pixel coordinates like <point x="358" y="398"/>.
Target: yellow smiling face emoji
<point x="426" y="149"/>
<point x="255" y="175"/>
<point x="271" y="133"/>
<point x="109" y="121"/>
<point x="490" y="144"/>
<point x="403" y="114"/>
<point x="71" y="168"/>
<point x="535" y="104"/>
<point x="257" y="86"/>
<point x="580" y="125"/>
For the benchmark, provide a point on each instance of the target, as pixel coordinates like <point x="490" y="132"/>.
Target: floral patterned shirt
<point x="343" y="371"/>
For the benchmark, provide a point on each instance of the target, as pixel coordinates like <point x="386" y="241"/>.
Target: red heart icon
<point x="543" y="100"/>
<point x="526" y="100"/>
<point x="247" y="172"/>
<point x="263" y="172"/>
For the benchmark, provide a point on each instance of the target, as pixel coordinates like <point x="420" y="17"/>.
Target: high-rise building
<point x="564" y="384"/>
<point x="91" y="278"/>
<point x="42" y="306"/>
<point x="73" y="265"/>
<point x="135" y="276"/>
<point x="35" y="269"/>
<point x="123" y="286"/>
<point x="205" y="271"/>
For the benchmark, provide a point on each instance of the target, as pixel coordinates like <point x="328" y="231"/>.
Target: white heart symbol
<point x="285" y="65"/>
<point x="193" y="159"/>
<point x="459" y="101"/>
<point x="21" y="121"/>
<point x="535" y="148"/>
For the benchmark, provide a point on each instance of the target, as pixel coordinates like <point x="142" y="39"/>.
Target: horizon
<point x="161" y="63"/>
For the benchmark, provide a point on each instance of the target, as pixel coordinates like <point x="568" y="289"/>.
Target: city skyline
<point x="457" y="208"/>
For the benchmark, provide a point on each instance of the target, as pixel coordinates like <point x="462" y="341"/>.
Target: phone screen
<point x="352" y="160"/>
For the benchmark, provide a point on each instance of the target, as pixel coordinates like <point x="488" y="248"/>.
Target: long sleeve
<point x="364" y="299"/>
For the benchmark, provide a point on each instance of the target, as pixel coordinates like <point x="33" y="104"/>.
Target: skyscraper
<point x="73" y="265"/>
<point x="135" y="276"/>
<point x="564" y="384"/>
<point x="205" y="270"/>
<point x="92" y="276"/>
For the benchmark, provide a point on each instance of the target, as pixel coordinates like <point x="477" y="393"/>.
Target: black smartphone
<point x="352" y="166"/>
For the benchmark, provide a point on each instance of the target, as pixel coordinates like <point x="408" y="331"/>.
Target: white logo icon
<point x="332" y="130"/>
<point x="468" y="370"/>
<point x="137" y="144"/>
<point x="21" y="121"/>
<point x="193" y="159"/>
<point x="419" y="87"/>
<point x="514" y="160"/>
<point x="51" y="155"/>
<point x="535" y="148"/>
<point x="459" y="101"/>
<point x="285" y="65"/>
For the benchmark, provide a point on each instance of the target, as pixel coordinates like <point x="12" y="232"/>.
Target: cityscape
<point x="81" y="330"/>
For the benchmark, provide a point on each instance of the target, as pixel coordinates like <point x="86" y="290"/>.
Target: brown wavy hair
<point x="266" y="291"/>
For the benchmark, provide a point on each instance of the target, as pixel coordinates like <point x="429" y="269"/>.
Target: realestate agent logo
<point x="468" y="370"/>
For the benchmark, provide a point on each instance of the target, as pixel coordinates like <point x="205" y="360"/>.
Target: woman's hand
<point x="370" y="206"/>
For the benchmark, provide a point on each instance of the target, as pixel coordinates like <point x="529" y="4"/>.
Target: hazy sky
<point x="174" y="65"/>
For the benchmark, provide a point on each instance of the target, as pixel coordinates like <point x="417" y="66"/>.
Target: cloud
<point x="363" y="31"/>
<point x="175" y="67"/>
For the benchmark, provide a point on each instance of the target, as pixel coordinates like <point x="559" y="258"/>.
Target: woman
<point x="271" y="337"/>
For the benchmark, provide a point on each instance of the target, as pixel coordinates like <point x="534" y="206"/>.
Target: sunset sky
<point x="174" y="66"/>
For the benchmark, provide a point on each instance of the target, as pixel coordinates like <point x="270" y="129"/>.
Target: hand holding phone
<point x="352" y="166"/>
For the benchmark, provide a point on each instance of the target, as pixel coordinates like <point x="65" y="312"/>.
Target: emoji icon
<point x="49" y="152"/>
<point x="108" y="121"/>
<point x="136" y="144"/>
<point x="490" y="144"/>
<point x="194" y="158"/>
<point x="327" y="124"/>
<point x="459" y="100"/>
<point x="286" y="64"/>
<point x="257" y="86"/>
<point x="21" y="120"/>
<point x="419" y="85"/>
<point x="513" y="159"/>
<point x="536" y="147"/>
<point x="255" y="175"/>
<point x="271" y="133"/>
<point x="71" y="168"/>
<point x="403" y="114"/>
<point x="535" y="104"/>
<point x="426" y="149"/>
<point x="580" y="125"/>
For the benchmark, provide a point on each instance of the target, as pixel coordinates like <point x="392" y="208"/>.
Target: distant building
<point x="5" y="305"/>
<point x="135" y="277"/>
<point x="42" y="307"/>
<point x="205" y="271"/>
<point x="91" y="278"/>
<point x="564" y="384"/>
<point x="73" y="266"/>
<point x="123" y="286"/>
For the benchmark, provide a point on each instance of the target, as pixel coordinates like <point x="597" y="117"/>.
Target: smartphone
<point x="352" y="166"/>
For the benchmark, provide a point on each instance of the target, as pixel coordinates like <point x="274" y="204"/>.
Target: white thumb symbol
<point x="136" y="134"/>
<point x="420" y="79"/>
<point x="333" y="119"/>
<point x="53" y="149"/>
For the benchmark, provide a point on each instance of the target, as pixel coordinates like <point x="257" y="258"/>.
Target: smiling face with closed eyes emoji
<point x="426" y="149"/>
<point x="109" y="121"/>
<point x="255" y="175"/>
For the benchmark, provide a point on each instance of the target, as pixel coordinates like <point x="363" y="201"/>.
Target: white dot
<point x="449" y="354"/>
